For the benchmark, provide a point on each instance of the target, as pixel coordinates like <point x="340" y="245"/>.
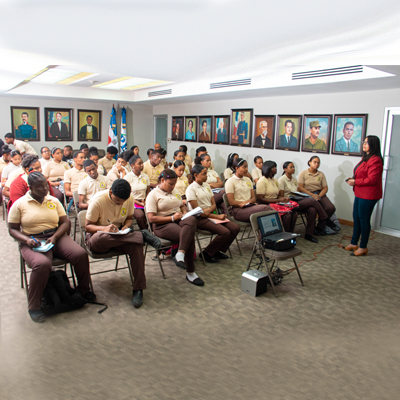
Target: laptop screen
<point x="269" y="224"/>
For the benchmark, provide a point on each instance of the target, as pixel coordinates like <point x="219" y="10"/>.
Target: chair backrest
<point x="226" y="202"/>
<point x="81" y="223"/>
<point x="254" y="222"/>
<point x="148" y="222"/>
<point x="75" y="196"/>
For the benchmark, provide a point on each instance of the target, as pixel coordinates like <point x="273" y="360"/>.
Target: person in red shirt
<point x="367" y="187"/>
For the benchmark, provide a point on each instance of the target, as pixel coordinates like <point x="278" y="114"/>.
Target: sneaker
<point x="37" y="315"/>
<point x="90" y="296"/>
<point x="179" y="264"/>
<point x="152" y="240"/>
<point x="137" y="298"/>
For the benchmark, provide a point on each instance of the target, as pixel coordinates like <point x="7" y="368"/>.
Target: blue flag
<point x="112" y="132"/>
<point x="123" y="130"/>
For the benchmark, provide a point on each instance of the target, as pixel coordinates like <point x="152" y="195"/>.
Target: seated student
<point x="118" y="171"/>
<point x="152" y="167"/>
<point x="199" y="194"/>
<point x="213" y="178"/>
<point x="256" y="173"/>
<point x="67" y="155"/>
<point x="268" y="192"/>
<point x="188" y="160"/>
<point x="240" y="193"/>
<point x="229" y="172"/>
<point x="46" y="156"/>
<point x="111" y="211"/>
<point x="108" y="160"/>
<point x="179" y="155"/>
<point x="128" y="154"/>
<point x="54" y="171"/>
<point x="165" y="209"/>
<point x="94" y="156"/>
<point x="202" y="150"/>
<point x="164" y="163"/>
<point x="313" y="182"/>
<point x="182" y="181"/>
<point x="140" y="188"/>
<point x="85" y="149"/>
<point x="43" y="217"/>
<point x="148" y="152"/>
<point x="92" y="184"/>
<point x="135" y="150"/>
<point x="287" y="185"/>
<point x="74" y="176"/>
<point x="20" y="145"/>
<point x="13" y="165"/>
<point x="4" y="161"/>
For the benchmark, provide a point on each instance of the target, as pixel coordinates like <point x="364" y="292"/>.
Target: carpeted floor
<point x="335" y="338"/>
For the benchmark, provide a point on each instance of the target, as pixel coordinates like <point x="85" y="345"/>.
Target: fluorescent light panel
<point x="52" y="76"/>
<point x="76" y="78"/>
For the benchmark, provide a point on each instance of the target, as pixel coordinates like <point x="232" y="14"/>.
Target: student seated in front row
<point x="165" y="210"/>
<point x="199" y="194"/>
<point x="240" y="193"/>
<point x="92" y="184"/>
<point x="110" y="211"/>
<point x="43" y="217"/>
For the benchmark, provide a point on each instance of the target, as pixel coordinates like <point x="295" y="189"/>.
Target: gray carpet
<point x="335" y="338"/>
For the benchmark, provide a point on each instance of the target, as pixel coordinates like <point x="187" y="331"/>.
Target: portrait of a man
<point x="177" y="128"/>
<point x="205" y="129"/>
<point x="221" y="129"/>
<point x="89" y="123"/>
<point x="349" y="131"/>
<point x="241" y="127"/>
<point x="58" y="124"/>
<point x="264" y="131"/>
<point x="345" y="143"/>
<point x="59" y="129"/>
<point x="191" y="129"/>
<point x="25" y="123"/>
<point x="289" y="128"/>
<point x="317" y="132"/>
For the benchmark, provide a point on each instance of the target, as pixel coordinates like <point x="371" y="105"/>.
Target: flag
<point x="123" y="130"/>
<point x="112" y="132"/>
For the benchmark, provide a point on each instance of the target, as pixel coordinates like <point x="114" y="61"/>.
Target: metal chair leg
<point x="269" y="271"/>
<point x="237" y="242"/>
<point x="298" y="271"/>
<point x="160" y="264"/>
<point x="129" y="267"/>
<point x="201" y="250"/>
<point x="116" y="264"/>
<point x="251" y="257"/>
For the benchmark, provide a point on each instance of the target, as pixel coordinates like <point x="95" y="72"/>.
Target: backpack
<point x="58" y="295"/>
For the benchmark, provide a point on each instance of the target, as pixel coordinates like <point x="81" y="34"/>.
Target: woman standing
<point x="367" y="187"/>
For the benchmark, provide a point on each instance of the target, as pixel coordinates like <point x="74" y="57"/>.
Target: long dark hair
<point x="201" y="158"/>
<point x="374" y="148"/>
<point x="267" y="168"/>
<point x="229" y="160"/>
<point x="196" y="169"/>
<point x="285" y="165"/>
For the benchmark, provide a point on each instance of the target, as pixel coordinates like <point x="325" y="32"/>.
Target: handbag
<point x="284" y="209"/>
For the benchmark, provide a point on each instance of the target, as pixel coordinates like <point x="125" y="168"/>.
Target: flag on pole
<point x="123" y="130"/>
<point x="112" y="132"/>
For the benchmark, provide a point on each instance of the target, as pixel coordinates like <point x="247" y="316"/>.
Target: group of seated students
<point x="117" y="192"/>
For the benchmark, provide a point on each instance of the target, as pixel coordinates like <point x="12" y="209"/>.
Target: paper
<point x="124" y="232"/>
<point x="217" y="190"/>
<point x="196" y="211"/>
<point x="301" y="194"/>
<point x="43" y="248"/>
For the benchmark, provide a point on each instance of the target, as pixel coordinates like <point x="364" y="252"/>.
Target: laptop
<point x="271" y="228"/>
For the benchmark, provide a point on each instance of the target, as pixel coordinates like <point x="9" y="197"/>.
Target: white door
<point x="161" y="130"/>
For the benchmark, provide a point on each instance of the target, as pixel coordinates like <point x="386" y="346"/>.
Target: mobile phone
<point x="347" y="179"/>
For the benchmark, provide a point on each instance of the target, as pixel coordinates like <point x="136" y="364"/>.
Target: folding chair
<point x="166" y="244"/>
<point x="75" y="197"/>
<point x="259" y="251"/>
<point x="100" y="256"/>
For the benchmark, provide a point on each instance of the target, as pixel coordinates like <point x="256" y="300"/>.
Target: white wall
<point x="139" y="120"/>
<point x="336" y="168"/>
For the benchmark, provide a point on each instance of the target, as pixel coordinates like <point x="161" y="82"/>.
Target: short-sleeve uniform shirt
<point x="74" y="177"/>
<point x="152" y="172"/>
<point x="268" y="187"/>
<point x="312" y="182"/>
<point x="11" y="177"/>
<point x="89" y="187"/>
<point x="102" y="209"/>
<point x="240" y="187"/>
<point x="212" y="176"/>
<point x="162" y="203"/>
<point x="35" y="217"/>
<point x="107" y="164"/>
<point x="138" y="184"/>
<point x="201" y="193"/>
<point x="228" y="173"/>
<point x="188" y="160"/>
<point x="24" y="147"/>
<point x="3" y="164"/>
<point x="256" y="173"/>
<point x="9" y="169"/>
<point x="287" y="185"/>
<point x="114" y="174"/>
<point x="44" y="162"/>
<point x="181" y="185"/>
<point x="54" y="170"/>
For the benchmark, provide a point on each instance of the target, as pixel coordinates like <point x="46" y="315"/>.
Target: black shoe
<point x="332" y="225"/>
<point x="90" y="296"/>
<point x="198" y="281"/>
<point x="179" y="264"/>
<point x="208" y="258"/>
<point x="37" y="315"/>
<point x="152" y="240"/>
<point x="137" y="298"/>
<point x="311" y="238"/>
<point x="221" y="256"/>
<point x="319" y="232"/>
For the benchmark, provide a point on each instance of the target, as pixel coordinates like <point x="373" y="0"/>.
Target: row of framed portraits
<point x="311" y="132"/>
<point x="25" y="123"/>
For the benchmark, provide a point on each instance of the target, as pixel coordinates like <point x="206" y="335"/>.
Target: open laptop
<point x="271" y="228"/>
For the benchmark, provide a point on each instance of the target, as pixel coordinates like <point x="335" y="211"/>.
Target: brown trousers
<point x="218" y="197"/>
<point x="58" y="194"/>
<point x="66" y="249"/>
<point x="226" y="234"/>
<point x="312" y="207"/>
<point x="289" y="221"/>
<point x="182" y="232"/>
<point x="138" y="213"/>
<point x="243" y="214"/>
<point x="131" y="244"/>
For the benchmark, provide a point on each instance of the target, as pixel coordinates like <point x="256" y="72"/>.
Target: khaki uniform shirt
<point x="102" y="209"/>
<point x="311" y="182"/>
<point x="188" y="160"/>
<point x="318" y="145"/>
<point x="44" y="162"/>
<point x="11" y="177"/>
<point x="181" y="185"/>
<point x="89" y="187"/>
<point x="152" y="172"/>
<point x="268" y="187"/>
<point x="35" y="217"/>
<point x="53" y="170"/>
<point x="256" y="173"/>
<point x="24" y="147"/>
<point x="212" y="176"/>
<point x="114" y="174"/>
<point x="101" y="170"/>
<point x="3" y="164"/>
<point x="240" y="187"/>
<point x="107" y="164"/>
<point x="10" y="167"/>
<point x="162" y="203"/>
<point x="201" y="193"/>
<point x="74" y="177"/>
<point x="287" y="185"/>
<point x="228" y="173"/>
<point x="138" y="184"/>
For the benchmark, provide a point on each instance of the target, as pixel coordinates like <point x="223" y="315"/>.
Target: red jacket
<point x="368" y="178"/>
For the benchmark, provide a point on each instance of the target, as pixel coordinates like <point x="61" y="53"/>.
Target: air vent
<point x="355" y="69"/>
<point x="160" y="93"/>
<point x="240" y="82"/>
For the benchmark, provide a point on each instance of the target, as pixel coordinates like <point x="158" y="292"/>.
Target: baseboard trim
<point x="345" y="222"/>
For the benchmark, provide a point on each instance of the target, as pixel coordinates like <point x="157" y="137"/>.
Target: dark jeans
<point x="362" y="211"/>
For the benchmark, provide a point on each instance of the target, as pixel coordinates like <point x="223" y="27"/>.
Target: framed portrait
<point x="349" y="131"/>
<point x="25" y="123"/>
<point x="177" y="128"/>
<point x="316" y="133"/>
<point x="89" y="125"/>
<point x="288" y="132"/>
<point x="264" y="131"/>
<point x="58" y="124"/>
<point x="190" y="129"/>
<point x="221" y="129"/>
<point x="242" y="127"/>
<point x="205" y="129"/>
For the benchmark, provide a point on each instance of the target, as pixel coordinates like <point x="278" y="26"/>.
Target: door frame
<point x="164" y="145"/>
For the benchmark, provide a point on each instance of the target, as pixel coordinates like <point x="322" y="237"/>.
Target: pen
<point x="35" y="240"/>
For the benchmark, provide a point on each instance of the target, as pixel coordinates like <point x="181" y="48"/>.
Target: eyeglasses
<point x="365" y="142"/>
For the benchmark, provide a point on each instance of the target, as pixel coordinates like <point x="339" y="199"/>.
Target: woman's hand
<point x="351" y="182"/>
<point x="111" y="228"/>
<point x="177" y="216"/>
<point x="51" y="240"/>
<point x="315" y="197"/>
<point x="31" y="243"/>
<point x="221" y="216"/>
<point x="283" y="199"/>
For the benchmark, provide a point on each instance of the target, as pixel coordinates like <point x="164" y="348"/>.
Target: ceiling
<point x="193" y="43"/>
